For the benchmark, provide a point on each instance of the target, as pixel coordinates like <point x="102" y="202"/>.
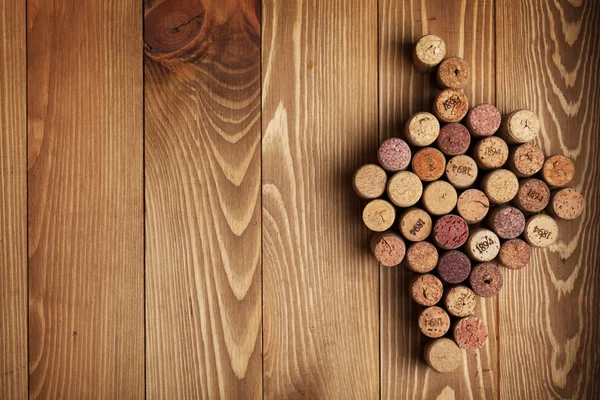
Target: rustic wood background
<point x="176" y="214"/>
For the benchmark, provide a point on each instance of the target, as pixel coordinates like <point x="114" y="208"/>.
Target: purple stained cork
<point x="508" y="222"/>
<point x="454" y="267"/>
<point x="394" y="155"/>
<point x="486" y="279"/>
<point x="483" y="120"/>
<point x="454" y="139"/>
<point x="451" y="232"/>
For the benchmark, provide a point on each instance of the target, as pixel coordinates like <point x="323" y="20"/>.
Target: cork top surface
<point x="430" y="50"/>
<point x="484" y="120"/>
<point x="369" y="181"/>
<point x="460" y="301"/>
<point x="434" y="322"/>
<point x="567" y="203"/>
<point x="454" y="267"/>
<point x="426" y="290"/>
<point x="429" y="164"/>
<point x="527" y="159"/>
<point x="394" y="155"/>
<point x="461" y="171"/>
<point x="514" y="254"/>
<point x="533" y="195"/>
<point x="558" y="170"/>
<point x="388" y="248"/>
<point x="473" y="205"/>
<point x="522" y="126"/>
<point x="454" y="139"/>
<point x="500" y="186"/>
<point x="415" y="224"/>
<point x="541" y="230"/>
<point x="421" y="257"/>
<point x="486" y="279"/>
<point x="404" y="189"/>
<point x="422" y="129"/>
<point x="443" y="355"/>
<point x="439" y="198"/>
<point x="470" y="333"/>
<point x="453" y="73"/>
<point x="451" y="105"/>
<point x="379" y="215"/>
<point x="508" y="222"/>
<point x="450" y="232"/>
<point x="483" y="245"/>
<point x="491" y="152"/>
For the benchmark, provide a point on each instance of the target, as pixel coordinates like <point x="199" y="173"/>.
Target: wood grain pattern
<point x="468" y="29"/>
<point x="85" y="204"/>
<point x="13" y="202"/>
<point x="202" y="102"/>
<point x="548" y="60"/>
<point x="319" y="124"/>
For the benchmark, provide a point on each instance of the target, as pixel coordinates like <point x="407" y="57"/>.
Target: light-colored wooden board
<point x="320" y="283"/>
<point x="85" y="199"/>
<point x="202" y="155"/>
<point x="548" y="60"/>
<point x="13" y="202"/>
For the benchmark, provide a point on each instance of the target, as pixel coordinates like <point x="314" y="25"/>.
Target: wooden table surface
<point x="176" y="214"/>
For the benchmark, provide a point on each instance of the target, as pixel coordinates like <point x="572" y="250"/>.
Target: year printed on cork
<point x="541" y="230"/>
<point x="490" y="152"/>
<point x="483" y="245"/>
<point x="533" y="195"/>
<point x="415" y="224"/>
<point x="461" y="171"/>
<point x="434" y="322"/>
<point x="451" y="105"/>
<point x="460" y="301"/>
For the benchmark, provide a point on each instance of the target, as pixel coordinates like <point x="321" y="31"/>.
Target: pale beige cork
<point x="388" y="248"/>
<point x="461" y="171"/>
<point x="526" y="160"/>
<point x="473" y="205"/>
<point x="404" y="189"/>
<point x="491" y="152"/>
<point x="434" y="322"/>
<point x="415" y="224"/>
<point x="379" y="215"/>
<point x="429" y="51"/>
<point x="443" y="355"/>
<point x="422" y="129"/>
<point x="541" y="230"/>
<point x="439" y="198"/>
<point x="369" y="181"/>
<point x="520" y="126"/>
<point x="460" y="301"/>
<point x="566" y="203"/>
<point x="451" y="105"/>
<point x="500" y="186"/>
<point x="453" y="73"/>
<point x="428" y="163"/>
<point x="426" y="289"/>
<point x="558" y="171"/>
<point x="482" y="245"/>
<point x="421" y="257"/>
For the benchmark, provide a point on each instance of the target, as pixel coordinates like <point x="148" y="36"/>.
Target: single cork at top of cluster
<point x="461" y="171"/>
<point x="426" y="289"/>
<point x="483" y="245"/>
<point x="470" y="333"/>
<point x="566" y="203"/>
<point x="526" y="159"/>
<point x="434" y="322"/>
<point x="486" y="279"/>
<point x="541" y="230"/>
<point x="369" y="181"/>
<point x="483" y="120"/>
<point x="422" y="129"/>
<point x="450" y="232"/>
<point x="514" y="254"/>
<point x="439" y="198"/>
<point x="388" y="248"/>
<point x="500" y="186"/>
<point x="520" y="126"/>
<point x="421" y="257"/>
<point x="379" y="215"/>
<point x="473" y="205"/>
<point x="490" y="152"/>
<point x="443" y="355"/>
<point x="451" y="105"/>
<point x="558" y="171"/>
<point x="533" y="195"/>
<point x="453" y="73"/>
<point x="429" y="51"/>
<point x="460" y="301"/>
<point x="454" y="139"/>
<point x="415" y="224"/>
<point x="394" y="155"/>
<point x="429" y="164"/>
<point x="508" y="222"/>
<point x="404" y="189"/>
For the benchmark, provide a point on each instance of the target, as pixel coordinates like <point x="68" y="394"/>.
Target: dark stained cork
<point x="454" y="139"/>
<point x="434" y="322"/>
<point x="453" y="73"/>
<point x="483" y="120"/>
<point x="429" y="164"/>
<point x="526" y="159"/>
<point x="486" y="279"/>
<point x="388" y="248"/>
<point x="533" y="195"/>
<point x="508" y="222"/>
<point x="451" y="105"/>
<point x="426" y="290"/>
<point x="470" y="333"/>
<point x="460" y="301"/>
<point x="514" y="254"/>
<point x="451" y="232"/>
<point x="566" y="203"/>
<point x="558" y="171"/>
<point x="454" y="267"/>
<point x="394" y="155"/>
<point x="421" y="257"/>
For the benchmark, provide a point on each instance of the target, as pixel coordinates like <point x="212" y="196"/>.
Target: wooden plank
<point x="547" y="60"/>
<point x="85" y="204"/>
<point x="319" y="124"/>
<point x="202" y="102"/>
<point x="468" y="30"/>
<point x="13" y="202"/>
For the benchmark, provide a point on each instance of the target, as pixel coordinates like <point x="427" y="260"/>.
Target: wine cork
<point x="450" y="232"/>
<point x="461" y="171"/>
<point x="533" y="195"/>
<point x="473" y="205"/>
<point x="369" y="181"/>
<point x="394" y="155"/>
<point x="483" y="245"/>
<point x="429" y="164"/>
<point x="422" y="129"/>
<point x="483" y="120"/>
<point x="421" y="257"/>
<point x="454" y="139"/>
<point x="525" y="160"/>
<point x="439" y="198"/>
<point x="470" y="333"/>
<point x="460" y="301"/>
<point x="404" y="189"/>
<point x="558" y="171"/>
<point x="426" y="289"/>
<point x="514" y="254"/>
<point x="434" y="322"/>
<point x="454" y="267"/>
<point x="429" y="51"/>
<point x="443" y="355"/>
<point x="566" y="203"/>
<point x="520" y="126"/>
<point x="453" y="73"/>
<point x="507" y="222"/>
<point x="379" y="215"/>
<point x="451" y="105"/>
<point x="415" y="224"/>
<point x="388" y="248"/>
<point x="541" y="230"/>
<point x="490" y="152"/>
<point x="486" y="279"/>
<point x="500" y="186"/>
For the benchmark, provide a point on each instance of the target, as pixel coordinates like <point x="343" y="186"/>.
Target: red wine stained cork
<point x="426" y="289"/>
<point x="483" y="120"/>
<point x="500" y="186"/>
<point x="429" y="51"/>
<point x="421" y="257"/>
<point x="514" y="254"/>
<point x="460" y="301"/>
<point x="483" y="245"/>
<point x="454" y="139"/>
<point x="450" y="232"/>
<point x="507" y="222"/>
<point x="520" y="126"/>
<point x="434" y="322"/>
<point x="439" y="198"/>
<point x="533" y="195"/>
<point x="379" y="215"/>
<point x="369" y="181"/>
<point x="566" y="203"/>
<point x="451" y="105"/>
<point x="526" y="159"/>
<point x="490" y="152"/>
<point x="454" y="267"/>
<point x="461" y="171"/>
<point x="388" y="248"/>
<point x="415" y="224"/>
<point x="453" y="73"/>
<point x="473" y="205"/>
<point x="443" y="355"/>
<point x="486" y="279"/>
<point x="404" y="189"/>
<point x="394" y="155"/>
<point x="558" y="171"/>
<point x="541" y="230"/>
<point x="470" y="333"/>
<point x="429" y="164"/>
<point x="422" y="129"/>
